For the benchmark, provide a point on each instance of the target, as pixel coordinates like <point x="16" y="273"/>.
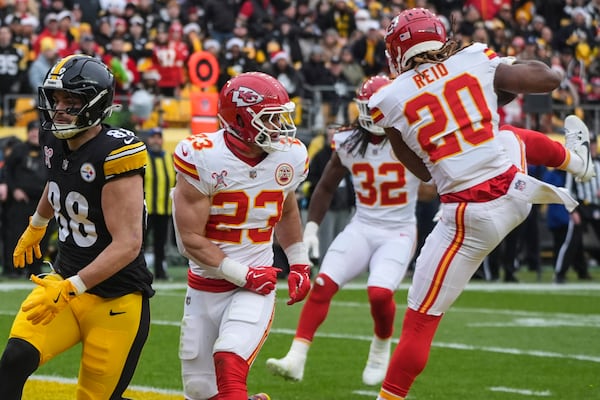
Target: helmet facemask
<point x="365" y="120"/>
<point x="275" y="126"/>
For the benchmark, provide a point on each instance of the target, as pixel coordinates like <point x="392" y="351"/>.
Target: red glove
<point x="298" y="282"/>
<point x="261" y="280"/>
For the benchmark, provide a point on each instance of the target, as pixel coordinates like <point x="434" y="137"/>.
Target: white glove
<point x="311" y="240"/>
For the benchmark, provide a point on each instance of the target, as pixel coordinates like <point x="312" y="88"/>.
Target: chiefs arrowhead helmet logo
<point x="244" y="96"/>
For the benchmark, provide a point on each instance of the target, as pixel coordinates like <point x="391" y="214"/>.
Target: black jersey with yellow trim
<point x="75" y="183"/>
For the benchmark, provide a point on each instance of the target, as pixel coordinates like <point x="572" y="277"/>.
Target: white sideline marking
<point x="524" y="392"/>
<point x="370" y="393"/>
<point x="570" y="288"/>
<point x="72" y="381"/>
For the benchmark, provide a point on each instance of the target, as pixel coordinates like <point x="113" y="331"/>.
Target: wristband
<point x="509" y="60"/>
<point x="311" y="228"/>
<point x="38" y="221"/>
<point x="233" y="271"/>
<point x="78" y="284"/>
<point x="297" y="253"/>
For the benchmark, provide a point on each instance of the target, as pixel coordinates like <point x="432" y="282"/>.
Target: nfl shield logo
<point x="520" y="185"/>
<point x="252" y="174"/>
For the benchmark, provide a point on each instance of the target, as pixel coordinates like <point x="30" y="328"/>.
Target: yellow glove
<point x="44" y="305"/>
<point x="28" y="245"/>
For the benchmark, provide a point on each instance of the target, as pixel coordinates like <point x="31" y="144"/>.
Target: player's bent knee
<point x="379" y="295"/>
<point x="19" y="358"/>
<point x="323" y="289"/>
<point x="198" y="387"/>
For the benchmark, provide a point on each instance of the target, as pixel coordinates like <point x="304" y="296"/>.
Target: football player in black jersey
<point x="98" y="293"/>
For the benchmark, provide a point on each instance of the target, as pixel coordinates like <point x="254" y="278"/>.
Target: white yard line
<point x="458" y="346"/>
<point x="524" y="392"/>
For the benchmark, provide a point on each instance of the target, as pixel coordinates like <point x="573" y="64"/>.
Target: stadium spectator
<point x="315" y="75"/>
<point x="169" y="55"/>
<point x="89" y="9"/>
<point x="470" y="226"/>
<point x="231" y="278"/>
<point x="331" y="44"/>
<point x="89" y="47"/>
<point x="120" y="28"/>
<point x="26" y="176"/>
<point x="70" y="28"/>
<point x="577" y="33"/>
<point x="235" y="61"/>
<point x="219" y="19"/>
<point x="369" y="50"/>
<point x="352" y="70"/>
<point x="192" y="37"/>
<point x="287" y="35"/>
<point x="7" y="146"/>
<point x="51" y="30"/>
<point x="46" y="58"/>
<point x="309" y="30"/>
<point x="291" y="79"/>
<point x="257" y="16"/>
<point x="11" y="70"/>
<point x="140" y="47"/>
<point x="123" y="67"/>
<point x="488" y="9"/>
<point x="170" y="13"/>
<point x="21" y="11"/>
<point x="340" y="17"/>
<point x="104" y="33"/>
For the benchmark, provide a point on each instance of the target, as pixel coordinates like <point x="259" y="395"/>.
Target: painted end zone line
<point x="72" y="381"/>
<point x="524" y="392"/>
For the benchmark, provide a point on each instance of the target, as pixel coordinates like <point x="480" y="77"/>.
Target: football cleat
<point x="577" y="139"/>
<point x="260" y="396"/>
<point x="377" y="363"/>
<point x="288" y="367"/>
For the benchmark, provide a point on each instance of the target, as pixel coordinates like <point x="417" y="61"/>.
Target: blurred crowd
<point x="324" y="46"/>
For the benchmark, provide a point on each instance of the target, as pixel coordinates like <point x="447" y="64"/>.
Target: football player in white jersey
<point x="440" y="115"/>
<point x="235" y="189"/>
<point x="380" y="238"/>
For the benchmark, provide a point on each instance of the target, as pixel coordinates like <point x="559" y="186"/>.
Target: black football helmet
<point x="80" y="76"/>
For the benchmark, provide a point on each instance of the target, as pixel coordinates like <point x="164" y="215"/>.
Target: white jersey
<point x="386" y="192"/>
<point x="246" y="200"/>
<point x="448" y="116"/>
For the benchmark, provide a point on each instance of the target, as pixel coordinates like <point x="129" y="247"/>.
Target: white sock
<point x="576" y="164"/>
<point x="299" y="348"/>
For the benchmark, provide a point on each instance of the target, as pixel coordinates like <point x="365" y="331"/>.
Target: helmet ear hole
<point x="240" y="121"/>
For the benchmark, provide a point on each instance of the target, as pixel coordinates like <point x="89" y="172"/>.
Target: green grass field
<point x="499" y="342"/>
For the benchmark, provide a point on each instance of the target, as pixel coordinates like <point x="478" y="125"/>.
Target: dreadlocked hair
<point x="359" y="140"/>
<point x="449" y="48"/>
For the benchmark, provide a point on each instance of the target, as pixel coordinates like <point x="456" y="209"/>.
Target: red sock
<point x="412" y="352"/>
<point x="540" y="149"/>
<point x="316" y="307"/>
<point x="383" y="310"/>
<point x="232" y="373"/>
